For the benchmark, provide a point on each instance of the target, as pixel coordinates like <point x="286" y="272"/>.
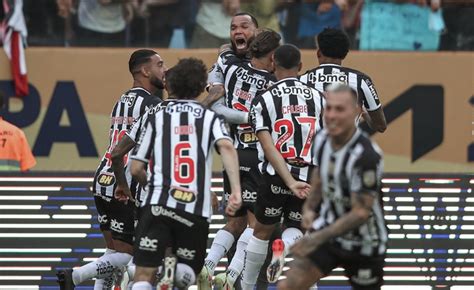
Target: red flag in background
<point x="14" y="42"/>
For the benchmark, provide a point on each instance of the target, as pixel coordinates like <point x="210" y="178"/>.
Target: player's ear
<point x="145" y="71"/>
<point x="300" y="66"/>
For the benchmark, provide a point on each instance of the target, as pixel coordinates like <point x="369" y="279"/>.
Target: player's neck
<point x="330" y="60"/>
<point x="285" y="74"/>
<point x="258" y="64"/>
<point x="145" y="85"/>
<point x="339" y="141"/>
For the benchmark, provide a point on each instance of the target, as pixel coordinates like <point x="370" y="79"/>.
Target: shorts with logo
<point x="160" y="227"/>
<point x="117" y="217"/>
<point x="275" y="200"/>
<point x="249" y="180"/>
<point x="364" y="272"/>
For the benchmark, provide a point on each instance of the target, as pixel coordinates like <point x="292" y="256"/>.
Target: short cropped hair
<point x="333" y="43"/>
<point x="265" y="42"/>
<point x="187" y="79"/>
<point x="138" y="58"/>
<point x="342" y="88"/>
<point x="287" y="56"/>
<point x="254" y="20"/>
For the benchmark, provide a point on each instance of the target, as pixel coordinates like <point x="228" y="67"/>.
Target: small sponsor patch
<point x="248" y="137"/>
<point x="182" y="195"/>
<point x="105" y="179"/>
<point x="369" y="178"/>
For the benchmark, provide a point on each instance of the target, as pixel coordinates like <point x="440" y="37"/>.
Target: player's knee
<point x="185" y="276"/>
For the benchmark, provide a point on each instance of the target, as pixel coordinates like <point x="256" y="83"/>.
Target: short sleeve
<point x="366" y="174"/>
<point x="219" y="130"/>
<point x="146" y="142"/>
<point x="215" y="75"/>
<point x="27" y="159"/>
<point x="370" y="97"/>
<point x="257" y="119"/>
<point x="137" y="127"/>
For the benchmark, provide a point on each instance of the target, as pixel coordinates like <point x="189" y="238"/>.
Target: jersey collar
<point x="140" y="88"/>
<point x="329" y="64"/>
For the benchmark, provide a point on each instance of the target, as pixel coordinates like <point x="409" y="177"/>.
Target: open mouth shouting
<point x="240" y="42"/>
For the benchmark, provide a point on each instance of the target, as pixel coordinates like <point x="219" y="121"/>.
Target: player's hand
<point x="306" y="245"/>
<point x="123" y="194"/>
<point x="300" y="189"/>
<point x="215" y="201"/>
<point x="308" y="218"/>
<point x="233" y="204"/>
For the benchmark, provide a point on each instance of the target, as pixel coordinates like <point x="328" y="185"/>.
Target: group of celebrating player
<point x="297" y="170"/>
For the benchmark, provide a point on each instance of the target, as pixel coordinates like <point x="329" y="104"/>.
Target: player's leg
<point x="365" y="272"/>
<point x="152" y="237"/>
<point x="304" y="272"/>
<point x="190" y="252"/>
<point x="268" y="211"/>
<point x="291" y="233"/>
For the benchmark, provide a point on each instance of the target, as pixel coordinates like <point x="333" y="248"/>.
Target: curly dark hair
<point x="187" y="79"/>
<point x="333" y="43"/>
<point x="265" y="42"/>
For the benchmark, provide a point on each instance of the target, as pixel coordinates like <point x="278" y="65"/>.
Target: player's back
<point x="322" y="76"/>
<point x="128" y="108"/>
<point x="243" y="83"/>
<point x="292" y="112"/>
<point x="178" y="139"/>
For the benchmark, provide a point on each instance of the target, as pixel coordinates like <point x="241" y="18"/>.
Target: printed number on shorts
<point x="287" y="133"/>
<point x="180" y="163"/>
<point x="116" y="137"/>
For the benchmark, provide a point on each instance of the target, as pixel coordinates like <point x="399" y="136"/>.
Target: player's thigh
<point x="122" y="222"/>
<point x="152" y="236"/>
<point x="190" y="239"/>
<point x="301" y="275"/>
<point x="270" y="204"/>
<point x="365" y="273"/>
<point x="293" y="212"/>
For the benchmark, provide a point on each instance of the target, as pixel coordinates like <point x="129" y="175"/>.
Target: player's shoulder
<point x="359" y="73"/>
<point x="370" y="150"/>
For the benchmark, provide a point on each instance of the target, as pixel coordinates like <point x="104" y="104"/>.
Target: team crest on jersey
<point x="181" y="195"/>
<point x="106" y="179"/>
<point x="369" y="178"/>
<point x="248" y="137"/>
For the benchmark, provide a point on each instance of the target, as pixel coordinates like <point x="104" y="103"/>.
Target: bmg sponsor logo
<point x="276" y="189"/>
<point x="185" y="253"/>
<point x="273" y="212"/>
<point x="328" y="78"/>
<point x="148" y="244"/>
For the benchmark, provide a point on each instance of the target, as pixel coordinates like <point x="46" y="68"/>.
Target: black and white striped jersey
<point x="326" y="74"/>
<point x="131" y="105"/>
<point x="292" y="112"/>
<point x="215" y="75"/>
<point x="178" y="142"/>
<point x="242" y="83"/>
<point x="355" y="168"/>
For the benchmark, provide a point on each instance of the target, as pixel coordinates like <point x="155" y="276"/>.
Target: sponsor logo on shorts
<point x="279" y="190"/>
<point x="147" y="244"/>
<point x="296" y="216"/>
<point x="248" y="137"/>
<point x="273" y="212"/>
<point x="159" y="210"/>
<point x="249" y="196"/>
<point x="116" y="226"/>
<point x="186" y="254"/>
<point x="182" y="196"/>
<point x="364" y="277"/>
<point x="244" y="168"/>
<point x="102" y="219"/>
<point x="106" y="179"/>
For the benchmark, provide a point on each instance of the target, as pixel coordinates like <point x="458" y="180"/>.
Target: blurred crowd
<point x="205" y="23"/>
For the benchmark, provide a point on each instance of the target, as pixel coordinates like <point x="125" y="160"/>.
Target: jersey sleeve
<point x="256" y="115"/>
<point x="370" y="98"/>
<point x="137" y="127"/>
<point x="215" y="75"/>
<point x="27" y="160"/>
<point x="219" y="130"/>
<point x="144" y="149"/>
<point x="366" y="174"/>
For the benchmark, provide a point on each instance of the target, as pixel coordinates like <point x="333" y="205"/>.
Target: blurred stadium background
<point x="419" y="56"/>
